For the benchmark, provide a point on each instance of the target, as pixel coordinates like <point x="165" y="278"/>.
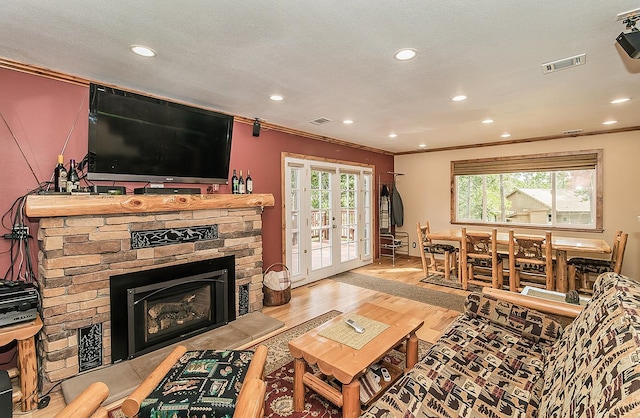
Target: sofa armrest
<point x="545" y="306"/>
<point x="528" y="323"/>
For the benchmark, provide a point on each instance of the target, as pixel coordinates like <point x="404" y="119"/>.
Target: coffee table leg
<point x="411" y="350"/>
<point x="298" y="384"/>
<point x="351" y="400"/>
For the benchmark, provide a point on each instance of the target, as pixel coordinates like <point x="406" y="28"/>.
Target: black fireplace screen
<point x="161" y="313"/>
<point x="154" y="308"/>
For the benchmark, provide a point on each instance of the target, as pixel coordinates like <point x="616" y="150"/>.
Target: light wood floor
<point x="317" y="298"/>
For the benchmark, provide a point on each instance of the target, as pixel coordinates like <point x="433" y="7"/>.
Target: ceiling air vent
<point x="558" y="65"/>
<point x="572" y="132"/>
<point x="320" y="121"/>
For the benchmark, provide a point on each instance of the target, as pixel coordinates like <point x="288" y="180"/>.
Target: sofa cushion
<point x="594" y="368"/>
<point x="476" y="368"/>
<point x="523" y="321"/>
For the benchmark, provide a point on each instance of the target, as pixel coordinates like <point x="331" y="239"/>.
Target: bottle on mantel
<point x="73" y="180"/>
<point x="241" y="188"/>
<point x="249" y="183"/>
<point x="234" y="182"/>
<point x="60" y="176"/>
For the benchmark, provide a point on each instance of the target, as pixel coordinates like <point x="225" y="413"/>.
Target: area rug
<point x="439" y="279"/>
<point x="279" y="370"/>
<point x="116" y="413"/>
<point x="278" y="350"/>
<point x="403" y="290"/>
<point x="453" y="282"/>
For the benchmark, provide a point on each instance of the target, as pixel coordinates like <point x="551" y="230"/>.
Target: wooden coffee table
<point x="347" y="364"/>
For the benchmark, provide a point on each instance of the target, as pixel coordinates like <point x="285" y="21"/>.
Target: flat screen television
<point x="139" y="138"/>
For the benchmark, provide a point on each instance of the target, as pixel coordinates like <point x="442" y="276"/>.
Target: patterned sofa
<point x="502" y="360"/>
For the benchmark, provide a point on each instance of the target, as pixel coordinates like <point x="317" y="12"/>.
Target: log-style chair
<point x="530" y="260"/>
<point x="582" y="272"/>
<point x="87" y="404"/>
<point x="250" y="399"/>
<point x="445" y="265"/>
<point x="480" y="263"/>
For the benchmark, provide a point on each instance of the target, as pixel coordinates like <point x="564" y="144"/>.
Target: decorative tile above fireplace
<point x="158" y="237"/>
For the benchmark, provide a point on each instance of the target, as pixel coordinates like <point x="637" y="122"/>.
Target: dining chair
<point x="530" y="260"/>
<point x="480" y="261"/>
<point x="446" y="264"/>
<point x="583" y="271"/>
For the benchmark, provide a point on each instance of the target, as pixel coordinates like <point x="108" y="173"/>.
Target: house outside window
<point x="552" y="191"/>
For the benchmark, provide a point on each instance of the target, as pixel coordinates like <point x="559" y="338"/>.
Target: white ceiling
<point x="334" y="59"/>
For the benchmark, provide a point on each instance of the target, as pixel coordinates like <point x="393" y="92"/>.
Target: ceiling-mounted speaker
<point x="256" y="127"/>
<point x="630" y="42"/>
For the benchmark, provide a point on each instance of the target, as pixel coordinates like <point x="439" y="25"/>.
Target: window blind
<point x="583" y="160"/>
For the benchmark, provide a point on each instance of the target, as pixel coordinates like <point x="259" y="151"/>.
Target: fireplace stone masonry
<point x="79" y="252"/>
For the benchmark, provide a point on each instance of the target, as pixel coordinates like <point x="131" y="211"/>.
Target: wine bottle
<point x="241" y="184"/>
<point x="60" y="176"/>
<point x="249" y="182"/>
<point x="73" y="180"/>
<point x="234" y="183"/>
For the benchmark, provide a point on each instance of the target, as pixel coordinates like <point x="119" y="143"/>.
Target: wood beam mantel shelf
<point x="42" y="206"/>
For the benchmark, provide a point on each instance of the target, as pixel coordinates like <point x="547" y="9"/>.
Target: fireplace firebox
<point x="154" y="308"/>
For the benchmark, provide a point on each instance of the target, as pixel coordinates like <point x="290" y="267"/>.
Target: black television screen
<point x="139" y="138"/>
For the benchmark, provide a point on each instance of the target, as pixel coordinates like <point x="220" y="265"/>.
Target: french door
<point x="328" y="218"/>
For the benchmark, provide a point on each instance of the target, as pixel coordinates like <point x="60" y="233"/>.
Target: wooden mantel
<point x="43" y="206"/>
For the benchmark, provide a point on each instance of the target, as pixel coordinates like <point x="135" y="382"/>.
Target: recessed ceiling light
<point x="422" y="145"/>
<point x="393" y="135"/>
<point x="143" y="51"/>
<point x="609" y="122"/>
<point x="487" y="121"/>
<point x="459" y="98"/>
<point x="620" y="100"/>
<point x="505" y="135"/>
<point x="347" y="121"/>
<point x="405" y="54"/>
<point x="276" y="97"/>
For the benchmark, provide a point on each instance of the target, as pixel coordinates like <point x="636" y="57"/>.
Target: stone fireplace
<point x="86" y="240"/>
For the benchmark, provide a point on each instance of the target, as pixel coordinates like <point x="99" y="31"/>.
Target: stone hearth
<point x="86" y="239"/>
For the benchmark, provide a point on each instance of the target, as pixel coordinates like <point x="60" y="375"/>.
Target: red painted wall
<point x="41" y="112"/>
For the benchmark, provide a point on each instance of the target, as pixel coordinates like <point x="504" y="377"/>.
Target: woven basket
<point x="277" y="297"/>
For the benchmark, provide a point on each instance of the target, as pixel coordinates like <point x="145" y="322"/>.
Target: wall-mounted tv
<point x="139" y="138"/>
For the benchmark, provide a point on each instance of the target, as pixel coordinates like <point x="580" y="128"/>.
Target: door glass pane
<point x="348" y="207"/>
<point x="294" y="225"/>
<point x="321" y="220"/>
<point x="367" y="215"/>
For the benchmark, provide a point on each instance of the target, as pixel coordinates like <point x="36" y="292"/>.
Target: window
<point x="562" y="190"/>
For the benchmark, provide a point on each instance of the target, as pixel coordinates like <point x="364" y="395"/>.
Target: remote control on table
<point x="385" y="374"/>
<point x="359" y="328"/>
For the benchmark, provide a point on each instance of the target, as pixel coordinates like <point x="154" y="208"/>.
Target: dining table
<point x="561" y="245"/>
